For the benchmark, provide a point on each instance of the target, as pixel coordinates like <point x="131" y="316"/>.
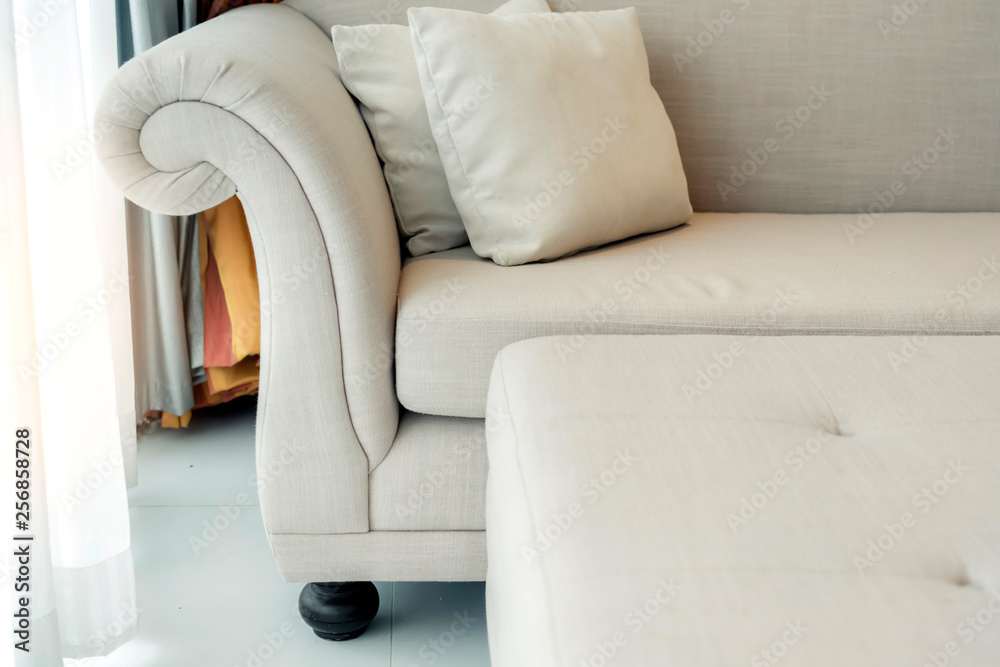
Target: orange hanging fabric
<point x="229" y="239"/>
<point x="231" y="301"/>
<point x="218" y="347"/>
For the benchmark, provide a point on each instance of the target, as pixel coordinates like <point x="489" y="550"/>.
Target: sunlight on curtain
<point x="65" y="338"/>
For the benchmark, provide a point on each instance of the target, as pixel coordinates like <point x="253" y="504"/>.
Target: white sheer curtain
<point x="65" y="342"/>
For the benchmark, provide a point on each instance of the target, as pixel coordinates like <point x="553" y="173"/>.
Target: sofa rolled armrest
<point x="251" y="103"/>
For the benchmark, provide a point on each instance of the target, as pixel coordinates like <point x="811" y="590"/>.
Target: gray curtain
<point x="167" y="322"/>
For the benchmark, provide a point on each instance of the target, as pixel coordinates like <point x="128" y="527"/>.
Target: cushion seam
<point x="707" y="327"/>
<point x="760" y="420"/>
<point x="815" y="384"/>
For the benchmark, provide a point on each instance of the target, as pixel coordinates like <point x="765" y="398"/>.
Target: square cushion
<point x="813" y="508"/>
<point x="377" y="67"/>
<point x="551" y="135"/>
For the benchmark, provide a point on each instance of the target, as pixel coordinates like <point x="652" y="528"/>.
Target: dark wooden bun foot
<point x="339" y="611"/>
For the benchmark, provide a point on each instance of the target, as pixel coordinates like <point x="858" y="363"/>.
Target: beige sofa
<point x="847" y="153"/>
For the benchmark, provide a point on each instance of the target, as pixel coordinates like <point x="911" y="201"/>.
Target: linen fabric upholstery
<point x="428" y="512"/>
<point x="378" y="68"/>
<point x="433" y="477"/>
<point x="872" y="117"/>
<point x="381" y="555"/>
<point x="199" y="117"/>
<point x="812" y="495"/>
<point x="909" y="274"/>
<point x="550" y="144"/>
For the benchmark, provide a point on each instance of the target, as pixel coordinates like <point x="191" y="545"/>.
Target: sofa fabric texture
<point x="415" y="555"/>
<point x="908" y="274"/>
<point x="433" y="477"/>
<point x="199" y="117"/>
<point x="813" y="496"/>
<point x="378" y="68"/>
<point x="550" y="143"/>
<point x="844" y="99"/>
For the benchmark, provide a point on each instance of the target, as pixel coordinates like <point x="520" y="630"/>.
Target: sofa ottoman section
<point x="709" y="501"/>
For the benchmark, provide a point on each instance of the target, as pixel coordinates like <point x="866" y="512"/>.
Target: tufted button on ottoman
<point x="710" y="501"/>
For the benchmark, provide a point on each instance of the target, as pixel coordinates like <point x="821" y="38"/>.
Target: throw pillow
<point x="552" y="137"/>
<point x="378" y="68"/>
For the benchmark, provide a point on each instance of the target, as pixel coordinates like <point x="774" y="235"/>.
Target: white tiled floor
<point x="214" y="598"/>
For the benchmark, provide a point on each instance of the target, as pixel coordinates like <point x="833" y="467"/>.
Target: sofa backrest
<point x="809" y="106"/>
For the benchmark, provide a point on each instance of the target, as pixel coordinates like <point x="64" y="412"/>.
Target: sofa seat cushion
<point x="814" y="507"/>
<point x="900" y="274"/>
